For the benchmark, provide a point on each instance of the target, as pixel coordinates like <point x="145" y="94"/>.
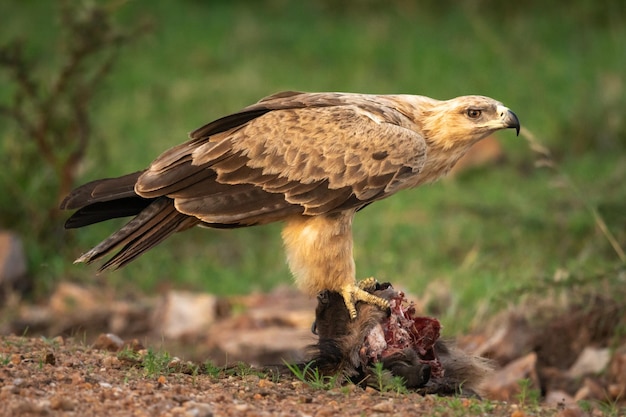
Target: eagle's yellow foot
<point x="352" y="293"/>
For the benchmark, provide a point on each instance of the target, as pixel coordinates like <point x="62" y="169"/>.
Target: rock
<point x="558" y="398"/>
<point x="196" y="409"/>
<point x="283" y="298"/>
<point x="510" y="337"/>
<point x="590" y="390"/>
<point x="263" y="346"/>
<point x="109" y="342"/>
<point x="383" y="407"/>
<point x="273" y="327"/>
<point x="266" y="384"/>
<point x="12" y="262"/>
<point x="183" y="313"/>
<point x="275" y="316"/>
<point x="504" y="385"/>
<point x="61" y="403"/>
<point x="590" y="361"/>
<point x="71" y="298"/>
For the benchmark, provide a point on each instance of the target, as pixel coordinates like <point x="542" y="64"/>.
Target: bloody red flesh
<point x="403" y="330"/>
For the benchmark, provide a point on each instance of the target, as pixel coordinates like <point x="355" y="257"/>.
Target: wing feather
<point x="305" y="153"/>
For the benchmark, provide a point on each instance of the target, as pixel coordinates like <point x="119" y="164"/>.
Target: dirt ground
<point x="574" y="362"/>
<point x="66" y="377"/>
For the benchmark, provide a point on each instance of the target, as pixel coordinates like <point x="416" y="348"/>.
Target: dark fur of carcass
<point x="407" y="345"/>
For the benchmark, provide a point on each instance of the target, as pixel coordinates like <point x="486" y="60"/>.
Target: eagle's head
<point x="462" y="121"/>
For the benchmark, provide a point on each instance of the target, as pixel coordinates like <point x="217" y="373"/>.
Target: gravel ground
<point x="41" y="377"/>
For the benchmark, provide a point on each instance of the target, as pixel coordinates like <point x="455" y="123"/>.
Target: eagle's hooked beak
<point x="509" y="119"/>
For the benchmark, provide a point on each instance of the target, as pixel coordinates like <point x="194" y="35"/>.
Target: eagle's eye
<point x="473" y="113"/>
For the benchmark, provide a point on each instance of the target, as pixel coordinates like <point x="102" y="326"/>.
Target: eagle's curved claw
<point x="352" y="293"/>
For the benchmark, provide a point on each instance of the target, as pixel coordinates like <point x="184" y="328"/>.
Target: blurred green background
<point x="561" y="66"/>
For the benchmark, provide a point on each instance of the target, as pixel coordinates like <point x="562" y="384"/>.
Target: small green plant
<point x="448" y="406"/>
<point x="5" y="360"/>
<point x="528" y="397"/>
<point x="611" y="408"/>
<point x="312" y="376"/>
<point x="52" y="342"/>
<point x="482" y="407"/>
<point x="128" y="354"/>
<point x="244" y="369"/>
<point x="156" y="363"/>
<point x="608" y="407"/>
<point x="386" y="382"/>
<point x="211" y="369"/>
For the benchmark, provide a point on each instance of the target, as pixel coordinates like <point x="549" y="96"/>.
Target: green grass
<point x="481" y="234"/>
<point x="384" y="381"/>
<point x="312" y="376"/>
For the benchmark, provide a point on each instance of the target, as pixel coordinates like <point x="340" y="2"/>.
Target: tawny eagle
<point x="310" y="160"/>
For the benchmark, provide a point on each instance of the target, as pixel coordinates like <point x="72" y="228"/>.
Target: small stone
<point x="504" y="385"/>
<point x="616" y="391"/>
<point x="183" y="313"/>
<point x="7" y="390"/>
<point x="510" y="337"/>
<point x="297" y="385"/>
<point x="383" y="407"/>
<point x="326" y="412"/>
<point x="590" y="361"/>
<point x="49" y="359"/>
<point x="370" y="390"/>
<point x="110" y="362"/>
<point x="265" y="383"/>
<point x="77" y="378"/>
<point x="174" y="362"/>
<point x="241" y="407"/>
<point x="12" y="261"/>
<point x="61" y="403"/>
<point x="559" y="398"/>
<point x="590" y="390"/>
<point x="109" y="342"/>
<point x="70" y="298"/>
<point x="135" y="345"/>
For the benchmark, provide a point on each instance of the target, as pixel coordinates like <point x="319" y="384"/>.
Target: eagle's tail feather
<point x="107" y="189"/>
<point x="104" y="199"/>
<point x="149" y="228"/>
<point x="106" y="210"/>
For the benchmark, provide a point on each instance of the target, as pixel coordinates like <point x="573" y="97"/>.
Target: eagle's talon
<point x="368" y="284"/>
<point x="359" y="292"/>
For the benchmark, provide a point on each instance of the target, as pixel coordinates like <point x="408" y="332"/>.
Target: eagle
<point x="309" y="160"/>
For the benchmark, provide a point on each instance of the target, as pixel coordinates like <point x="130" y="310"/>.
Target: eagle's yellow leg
<point x="353" y="293"/>
<point x="319" y="253"/>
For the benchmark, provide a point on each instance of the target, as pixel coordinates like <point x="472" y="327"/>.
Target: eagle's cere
<point x="310" y="160"/>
